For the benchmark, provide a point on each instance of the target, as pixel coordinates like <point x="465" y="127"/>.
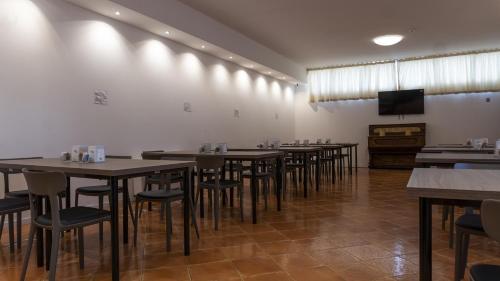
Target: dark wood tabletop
<point x="110" y="168"/>
<point x="231" y="154"/>
<point x="452" y="158"/>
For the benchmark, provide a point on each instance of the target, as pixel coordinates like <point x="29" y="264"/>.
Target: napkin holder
<point x="221" y="148"/>
<point x="97" y="154"/>
<point x="77" y="152"/>
<point x="206" y="148"/>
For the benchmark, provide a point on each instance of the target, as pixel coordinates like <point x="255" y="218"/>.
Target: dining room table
<point x="464" y="188"/>
<point x="112" y="170"/>
<point x="252" y="156"/>
<point x="461" y="149"/>
<point x="448" y="159"/>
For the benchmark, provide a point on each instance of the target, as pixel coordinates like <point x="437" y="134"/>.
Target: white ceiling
<point x="319" y="33"/>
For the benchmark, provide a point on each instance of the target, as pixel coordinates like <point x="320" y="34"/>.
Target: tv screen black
<point x="401" y="102"/>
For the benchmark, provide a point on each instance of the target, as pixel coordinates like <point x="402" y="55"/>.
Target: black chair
<point x="490" y="211"/>
<point x="215" y="185"/>
<point x="10" y="206"/>
<point x="165" y="196"/>
<point x="264" y="175"/>
<point x="49" y="186"/>
<point x="13" y="194"/>
<point x="100" y="191"/>
<point x="466" y="225"/>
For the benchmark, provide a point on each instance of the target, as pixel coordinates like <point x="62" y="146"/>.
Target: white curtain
<point x="453" y="74"/>
<point x="357" y="82"/>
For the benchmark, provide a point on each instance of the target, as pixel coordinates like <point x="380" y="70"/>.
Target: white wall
<point x="54" y="55"/>
<point x="449" y="119"/>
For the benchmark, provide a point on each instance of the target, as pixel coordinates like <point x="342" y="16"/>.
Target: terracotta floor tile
<point x="395" y="266"/>
<point x="362" y="228"/>
<point x="290" y="261"/>
<point x="256" y="265"/>
<point x="214" y="271"/>
<point x="321" y="273"/>
<point x="243" y="251"/>
<point x="367" y="252"/>
<point x="275" y="276"/>
<point x="177" y="273"/>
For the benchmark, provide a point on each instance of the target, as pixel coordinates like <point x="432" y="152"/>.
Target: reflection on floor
<point x="365" y="228"/>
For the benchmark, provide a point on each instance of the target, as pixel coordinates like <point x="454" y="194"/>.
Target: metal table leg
<point x="115" y="251"/>
<point x="425" y="251"/>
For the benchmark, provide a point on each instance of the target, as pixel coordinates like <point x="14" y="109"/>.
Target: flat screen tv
<point x="401" y="102"/>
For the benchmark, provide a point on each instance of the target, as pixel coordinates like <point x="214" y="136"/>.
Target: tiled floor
<point x="364" y="229"/>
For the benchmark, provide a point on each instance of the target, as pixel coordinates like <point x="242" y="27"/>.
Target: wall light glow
<point x="243" y="80"/>
<point x="220" y="75"/>
<point x="191" y="65"/>
<point x="276" y="90"/>
<point x="155" y="54"/>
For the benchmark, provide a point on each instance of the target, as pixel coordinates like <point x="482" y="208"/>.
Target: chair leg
<point x="56" y="234"/>
<point x="101" y="230"/>
<point x="11" y="232"/>
<point x="131" y="211"/>
<point x="452" y="227"/>
<point x="81" y="247"/>
<point x="136" y="220"/>
<point x="19" y="229"/>
<point x="168" y="223"/>
<point x="465" y="253"/>
<point x="28" y="253"/>
<point x="241" y="202"/>
<point x="150" y="205"/>
<point x="2" y="222"/>
<point x="192" y="206"/>
<point x="216" y="207"/>
<point x="458" y="254"/>
<point x="444" y="217"/>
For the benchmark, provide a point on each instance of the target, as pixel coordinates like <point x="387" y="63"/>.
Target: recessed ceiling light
<point x="282" y="77"/>
<point x="167" y="32"/>
<point x="388" y="40"/>
<point x="117" y="13"/>
<point x="269" y="73"/>
<point x="203" y="46"/>
<point x="250" y="66"/>
<point x="230" y="58"/>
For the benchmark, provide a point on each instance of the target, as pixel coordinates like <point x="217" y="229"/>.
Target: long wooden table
<point x="464" y="149"/>
<point x="252" y="156"/>
<point x="466" y="188"/>
<point x="113" y="170"/>
<point x="450" y="159"/>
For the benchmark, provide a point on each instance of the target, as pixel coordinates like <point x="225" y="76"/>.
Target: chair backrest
<point x="490" y="212"/>
<point x="478" y="166"/>
<point x="209" y="162"/>
<point x="179" y="158"/>
<point x="45" y="184"/>
<point x="150" y="157"/>
<point x="118" y="156"/>
<point x="7" y="172"/>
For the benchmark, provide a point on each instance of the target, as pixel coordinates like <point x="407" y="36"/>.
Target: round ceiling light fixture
<point x="388" y="40"/>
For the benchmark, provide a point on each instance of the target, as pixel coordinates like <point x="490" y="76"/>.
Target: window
<point x="477" y="72"/>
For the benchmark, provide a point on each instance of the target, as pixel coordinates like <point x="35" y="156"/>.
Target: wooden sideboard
<point x="394" y="146"/>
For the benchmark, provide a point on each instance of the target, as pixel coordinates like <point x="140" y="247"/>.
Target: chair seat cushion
<point x="472" y="221"/>
<point x="18" y="194"/>
<point x="248" y="174"/>
<point x="485" y="272"/>
<point x="161" y="194"/>
<point x="9" y="204"/>
<point x="76" y="216"/>
<point x="154" y="179"/>
<point x="222" y="183"/>
<point x="97" y="189"/>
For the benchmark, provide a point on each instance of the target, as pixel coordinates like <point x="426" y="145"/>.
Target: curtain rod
<point x="408" y="59"/>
